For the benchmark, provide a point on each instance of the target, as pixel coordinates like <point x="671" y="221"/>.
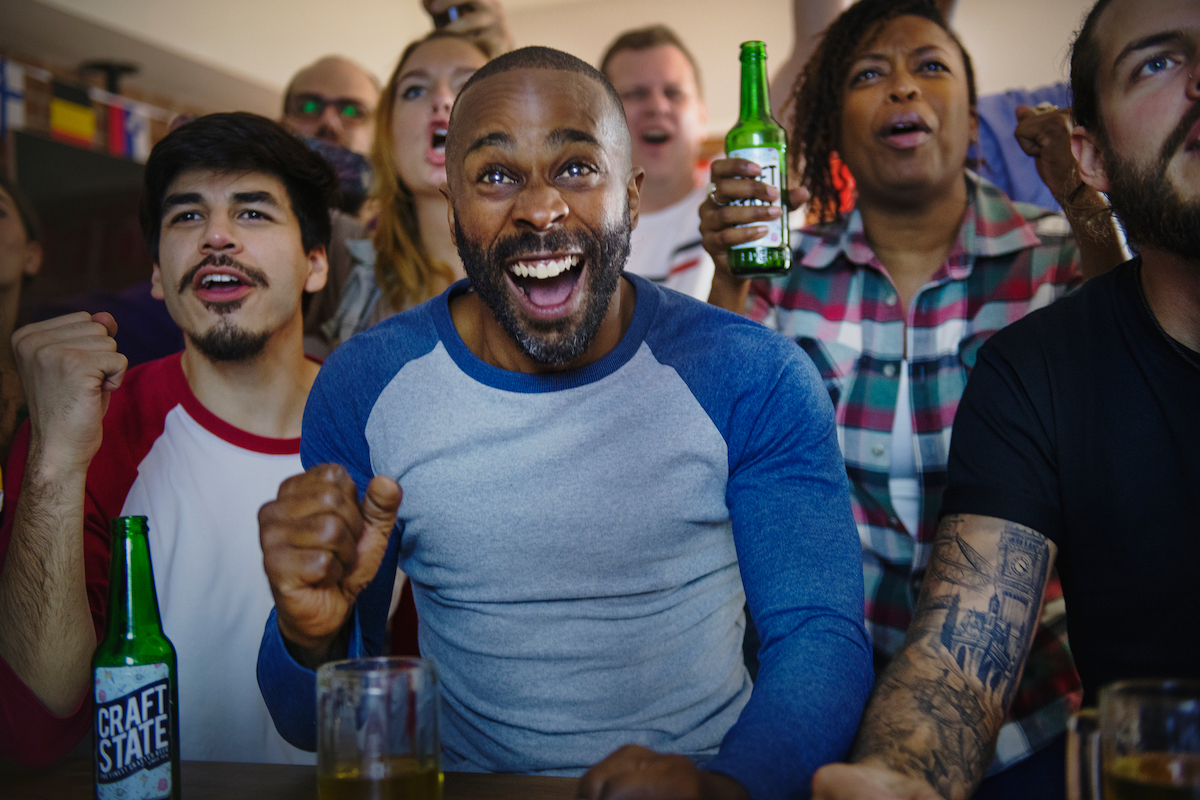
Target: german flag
<point x="72" y="118"/>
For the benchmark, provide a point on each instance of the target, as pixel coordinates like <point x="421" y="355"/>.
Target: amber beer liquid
<point x="134" y="673"/>
<point x="1153" y="776"/>
<point x="377" y="730"/>
<point x="407" y="779"/>
<point x="758" y="137"/>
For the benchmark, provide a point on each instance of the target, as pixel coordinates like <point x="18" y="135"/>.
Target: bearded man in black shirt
<point x="1077" y="442"/>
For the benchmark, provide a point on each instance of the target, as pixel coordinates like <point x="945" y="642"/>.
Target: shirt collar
<point x="992" y="226"/>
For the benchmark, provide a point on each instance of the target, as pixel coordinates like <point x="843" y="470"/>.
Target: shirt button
<point x="889" y="370"/>
<point x="877" y="450"/>
<point x="891" y="300"/>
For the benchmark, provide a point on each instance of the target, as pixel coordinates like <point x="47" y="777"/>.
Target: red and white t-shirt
<point x="200" y="481"/>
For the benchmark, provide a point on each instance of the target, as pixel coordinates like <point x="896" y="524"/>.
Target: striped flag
<point x="128" y="132"/>
<point x="72" y="118"/>
<point x="12" y="96"/>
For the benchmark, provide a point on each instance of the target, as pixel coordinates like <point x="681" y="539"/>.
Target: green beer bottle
<point x="134" y="676"/>
<point x="758" y="137"/>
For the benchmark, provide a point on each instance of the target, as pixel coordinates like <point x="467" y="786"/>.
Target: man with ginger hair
<point x="659" y="84"/>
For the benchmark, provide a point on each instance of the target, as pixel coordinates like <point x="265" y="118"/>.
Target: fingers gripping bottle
<point x="134" y="680"/>
<point x="758" y="137"/>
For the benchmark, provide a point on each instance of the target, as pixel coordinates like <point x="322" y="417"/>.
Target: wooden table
<point x="210" y="780"/>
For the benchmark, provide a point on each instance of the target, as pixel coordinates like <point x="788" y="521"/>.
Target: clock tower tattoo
<point x="937" y="708"/>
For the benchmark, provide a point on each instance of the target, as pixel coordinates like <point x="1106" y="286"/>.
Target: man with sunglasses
<point x="333" y="99"/>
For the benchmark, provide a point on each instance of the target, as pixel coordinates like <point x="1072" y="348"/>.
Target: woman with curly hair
<point x="893" y="299"/>
<point x="411" y="256"/>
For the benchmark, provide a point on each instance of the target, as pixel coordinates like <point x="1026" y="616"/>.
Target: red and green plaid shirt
<point x="840" y="305"/>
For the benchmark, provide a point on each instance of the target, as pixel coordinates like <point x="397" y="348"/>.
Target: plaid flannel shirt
<point x="840" y="305"/>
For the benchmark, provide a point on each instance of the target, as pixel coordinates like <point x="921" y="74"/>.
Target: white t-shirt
<point x="903" y="478"/>
<point x="200" y="481"/>
<point x="665" y="248"/>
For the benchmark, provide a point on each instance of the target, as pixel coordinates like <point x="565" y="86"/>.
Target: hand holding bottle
<point x="721" y="221"/>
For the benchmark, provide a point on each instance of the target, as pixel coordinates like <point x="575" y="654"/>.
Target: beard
<point x="227" y="342"/>
<point x="1149" y="206"/>
<point x="560" y="341"/>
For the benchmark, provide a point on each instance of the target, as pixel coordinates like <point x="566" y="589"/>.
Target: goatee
<point x="226" y="343"/>
<point x="560" y="341"/>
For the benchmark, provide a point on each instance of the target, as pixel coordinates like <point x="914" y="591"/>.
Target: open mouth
<point x="436" y="154"/>
<point x="655" y="137"/>
<point x="906" y="130"/>
<point x="546" y="285"/>
<point x="221" y="284"/>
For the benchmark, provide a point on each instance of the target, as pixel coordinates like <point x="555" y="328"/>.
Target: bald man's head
<point x="608" y="108"/>
<point x="543" y="197"/>
<point x="333" y="99"/>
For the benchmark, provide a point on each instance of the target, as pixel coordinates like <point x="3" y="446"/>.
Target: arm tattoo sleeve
<point x="936" y="710"/>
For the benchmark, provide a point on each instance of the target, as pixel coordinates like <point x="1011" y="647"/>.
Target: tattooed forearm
<point x="936" y="710"/>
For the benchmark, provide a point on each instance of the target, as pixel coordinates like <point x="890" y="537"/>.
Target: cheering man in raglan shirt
<point x="592" y="468"/>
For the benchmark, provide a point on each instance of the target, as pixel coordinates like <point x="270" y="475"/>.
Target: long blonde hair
<point x="404" y="271"/>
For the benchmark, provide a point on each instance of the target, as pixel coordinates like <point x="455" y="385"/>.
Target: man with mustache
<point x="592" y="469"/>
<point x="1076" y="439"/>
<point x="235" y="214"/>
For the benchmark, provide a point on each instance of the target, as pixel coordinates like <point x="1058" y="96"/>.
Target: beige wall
<point x="264" y="41"/>
<point x="1017" y="43"/>
<point x="1014" y="42"/>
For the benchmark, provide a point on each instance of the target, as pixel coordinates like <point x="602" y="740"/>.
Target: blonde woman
<point x="411" y="256"/>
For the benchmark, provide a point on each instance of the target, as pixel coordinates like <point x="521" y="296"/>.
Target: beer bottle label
<point x="767" y="159"/>
<point x="133" y="732"/>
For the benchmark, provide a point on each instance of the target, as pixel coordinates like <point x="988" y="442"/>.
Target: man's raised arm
<point x="1045" y="134"/>
<point x="68" y="366"/>
<point x="933" y="717"/>
<point x="321" y="550"/>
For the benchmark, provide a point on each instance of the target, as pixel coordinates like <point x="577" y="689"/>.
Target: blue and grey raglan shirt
<point x="574" y="543"/>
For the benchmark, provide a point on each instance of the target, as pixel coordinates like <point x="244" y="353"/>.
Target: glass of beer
<point x="377" y="729"/>
<point x="1150" y="740"/>
<point x="1083" y="755"/>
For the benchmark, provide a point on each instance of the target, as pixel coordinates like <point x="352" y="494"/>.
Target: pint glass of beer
<point x="1150" y="740"/>
<point x="377" y="729"/>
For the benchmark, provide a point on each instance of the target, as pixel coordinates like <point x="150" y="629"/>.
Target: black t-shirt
<point x="1082" y="421"/>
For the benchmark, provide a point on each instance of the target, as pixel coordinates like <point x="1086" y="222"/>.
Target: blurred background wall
<point x="244" y="52"/>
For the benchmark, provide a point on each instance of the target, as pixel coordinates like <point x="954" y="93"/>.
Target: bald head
<point x="543" y="197"/>
<point x="600" y="101"/>
<point x="333" y="99"/>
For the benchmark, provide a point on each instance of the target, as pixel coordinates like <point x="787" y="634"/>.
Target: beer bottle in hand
<point x="758" y="137"/>
<point x="134" y="673"/>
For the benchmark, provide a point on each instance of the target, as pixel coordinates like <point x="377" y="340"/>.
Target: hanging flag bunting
<point x="72" y="118"/>
<point x="12" y="96"/>
<point x="115" y="130"/>
<point x="128" y="129"/>
<point x="128" y="124"/>
<point x="137" y="134"/>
